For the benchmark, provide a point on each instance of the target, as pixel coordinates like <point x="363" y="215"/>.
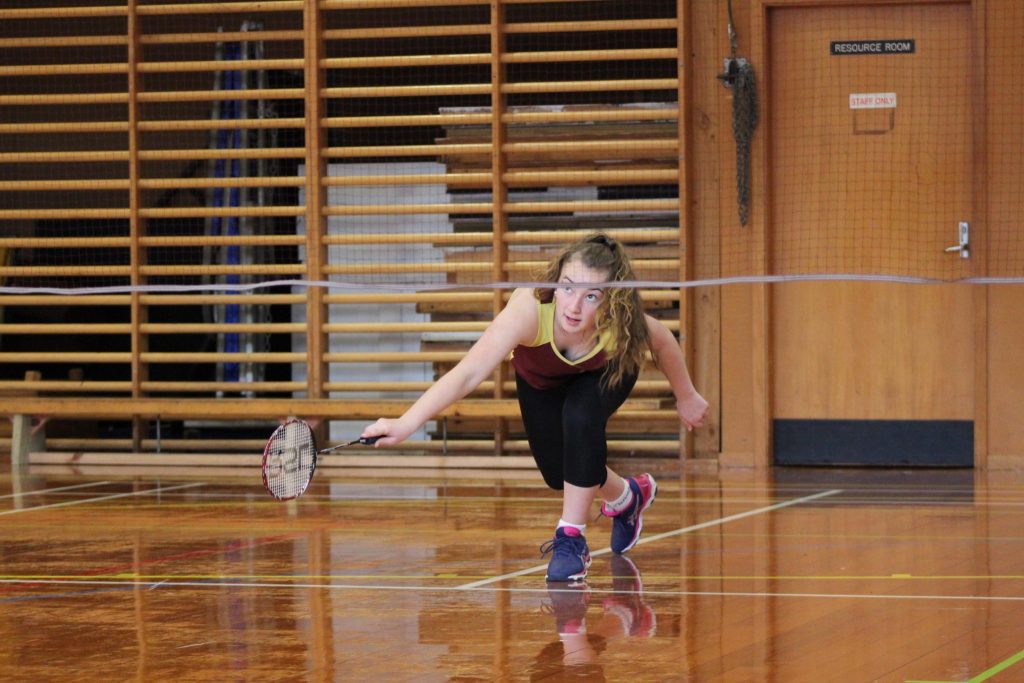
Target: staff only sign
<point x="873" y="100"/>
<point x="898" y="46"/>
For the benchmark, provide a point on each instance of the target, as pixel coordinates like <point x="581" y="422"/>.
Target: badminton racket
<point x="289" y="459"/>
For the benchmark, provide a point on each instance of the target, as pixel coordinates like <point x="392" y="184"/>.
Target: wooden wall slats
<point x="62" y="41"/>
<point x="63" y="271"/>
<point x="49" y="70"/>
<point x="336" y="328"/>
<point x="61" y="357"/>
<point x="406" y="120"/>
<point x="62" y="242"/>
<point x="404" y="151"/>
<point x="68" y="300"/>
<point x="216" y="96"/>
<point x="66" y="328"/>
<point x="63" y="12"/>
<point x="591" y="114"/>
<point x="592" y="86"/>
<point x="207" y="65"/>
<point x="480" y="238"/>
<point x="225" y="154"/>
<point x="260" y="6"/>
<point x="376" y="33"/>
<point x="221" y="124"/>
<point x="580" y="26"/>
<point x="207" y="451"/>
<point x="61" y="386"/>
<point x="282" y="36"/>
<point x="60" y="127"/>
<point x="80" y="113"/>
<point x="477" y="207"/>
<point x="199" y="240"/>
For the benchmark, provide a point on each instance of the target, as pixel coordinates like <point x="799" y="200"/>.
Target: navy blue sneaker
<point x="627" y="524"/>
<point x="570" y="556"/>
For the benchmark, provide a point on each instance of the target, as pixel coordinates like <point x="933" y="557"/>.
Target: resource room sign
<point x="899" y="46"/>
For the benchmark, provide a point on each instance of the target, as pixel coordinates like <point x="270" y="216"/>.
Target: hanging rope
<point x="739" y="78"/>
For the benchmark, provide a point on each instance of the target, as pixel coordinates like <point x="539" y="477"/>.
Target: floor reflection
<point x="583" y="633"/>
<point x="626" y="601"/>
<point x="741" y="576"/>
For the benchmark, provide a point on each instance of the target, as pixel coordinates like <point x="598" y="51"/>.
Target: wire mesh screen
<point x="219" y="158"/>
<point x="166" y="146"/>
<point x="246" y="152"/>
<point x="871" y="143"/>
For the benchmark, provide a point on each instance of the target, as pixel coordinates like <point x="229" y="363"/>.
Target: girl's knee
<point x="553" y="484"/>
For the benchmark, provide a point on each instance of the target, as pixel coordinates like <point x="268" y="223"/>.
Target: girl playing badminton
<point x="577" y="350"/>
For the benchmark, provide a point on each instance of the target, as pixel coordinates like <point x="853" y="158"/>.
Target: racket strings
<point x="291" y="458"/>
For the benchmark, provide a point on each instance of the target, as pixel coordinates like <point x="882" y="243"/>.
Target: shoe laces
<point x="562" y="544"/>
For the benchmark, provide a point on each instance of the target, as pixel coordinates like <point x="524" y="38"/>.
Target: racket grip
<point x="365" y="441"/>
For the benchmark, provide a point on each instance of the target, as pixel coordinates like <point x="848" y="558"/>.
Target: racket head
<point x="289" y="460"/>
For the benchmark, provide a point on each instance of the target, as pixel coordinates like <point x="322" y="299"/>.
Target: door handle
<point x="964" y="234"/>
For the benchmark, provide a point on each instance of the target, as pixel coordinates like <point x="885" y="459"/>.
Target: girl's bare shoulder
<point x="519" y="317"/>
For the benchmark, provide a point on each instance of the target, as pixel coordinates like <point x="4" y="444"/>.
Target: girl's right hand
<point x="392" y="431"/>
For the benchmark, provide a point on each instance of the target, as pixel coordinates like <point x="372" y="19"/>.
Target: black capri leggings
<point x="566" y="427"/>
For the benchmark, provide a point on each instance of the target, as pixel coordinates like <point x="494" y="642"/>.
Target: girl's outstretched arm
<point x="690" y="405"/>
<point x="516" y="324"/>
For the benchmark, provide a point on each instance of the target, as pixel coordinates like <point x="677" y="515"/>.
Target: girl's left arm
<point x="690" y="405"/>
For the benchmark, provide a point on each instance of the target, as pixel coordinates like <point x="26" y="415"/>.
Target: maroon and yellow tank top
<point x="543" y="366"/>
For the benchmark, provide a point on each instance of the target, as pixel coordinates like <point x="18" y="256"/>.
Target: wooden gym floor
<point x="789" y="576"/>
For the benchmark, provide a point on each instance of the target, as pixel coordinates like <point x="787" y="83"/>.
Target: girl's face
<point x="576" y="307"/>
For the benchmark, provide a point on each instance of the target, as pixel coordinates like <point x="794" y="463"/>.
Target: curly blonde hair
<point x="620" y="311"/>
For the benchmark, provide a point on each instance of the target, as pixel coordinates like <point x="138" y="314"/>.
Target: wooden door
<point x="870" y="170"/>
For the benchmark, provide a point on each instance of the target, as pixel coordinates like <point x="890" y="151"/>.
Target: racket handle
<point x="367" y="441"/>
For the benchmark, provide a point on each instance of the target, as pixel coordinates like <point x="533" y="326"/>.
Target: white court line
<point x="658" y="537"/>
<point x="498" y="589"/>
<point x="96" y="500"/>
<point x="61" y="488"/>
